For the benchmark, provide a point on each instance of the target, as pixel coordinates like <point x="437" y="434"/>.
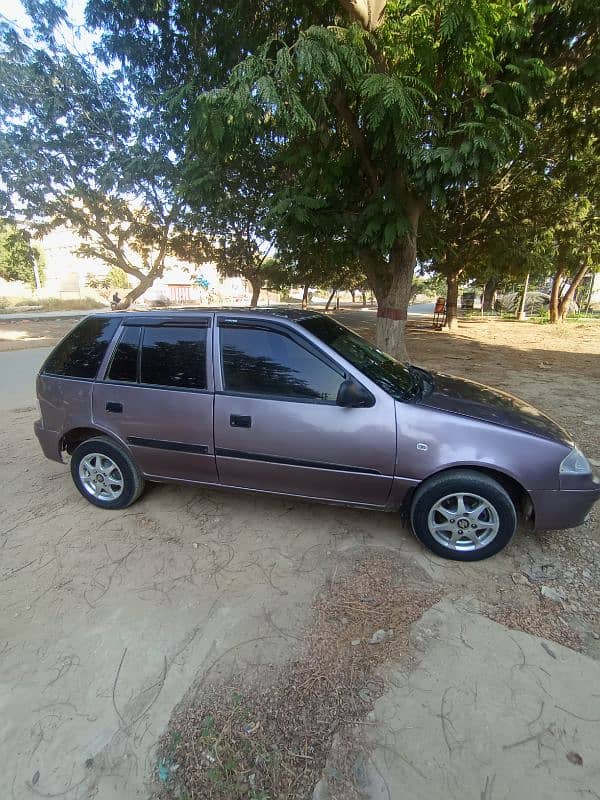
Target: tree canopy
<point x="18" y="257"/>
<point x="78" y="150"/>
<point x="376" y="111"/>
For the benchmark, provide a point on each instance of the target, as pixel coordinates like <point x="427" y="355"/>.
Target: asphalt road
<point x="18" y="369"/>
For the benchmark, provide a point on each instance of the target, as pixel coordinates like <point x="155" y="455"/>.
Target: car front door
<point x="277" y="425"/>
<point x="157" y="396"/>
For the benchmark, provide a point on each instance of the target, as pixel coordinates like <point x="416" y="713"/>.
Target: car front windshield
<point x="400" y="380"/>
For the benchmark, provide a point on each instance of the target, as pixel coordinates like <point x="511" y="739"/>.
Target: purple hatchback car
<point x="292" y="402"/>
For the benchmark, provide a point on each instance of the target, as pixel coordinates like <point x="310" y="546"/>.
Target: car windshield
<point x="402" y="381"/>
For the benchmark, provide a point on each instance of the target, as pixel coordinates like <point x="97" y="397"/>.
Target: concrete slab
<point x="488" y="713"/>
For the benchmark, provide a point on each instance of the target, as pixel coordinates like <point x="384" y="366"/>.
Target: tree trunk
<point x="256" y="287"/>
<point x="453" y="281"/>
<point x="489" y="291"/>
<point x="353" y="293"/>
<point x="364" y="298"/>
<point x="142" y="286"/>
<point x="590" y="292"/>
<point x="305" y="296"/>
<point x="331" y="296"/>
<point x="521" y="315"/>
<point x="392" y="305"/>
<point x="565" y="301"/>
<point x="555" y="296"/>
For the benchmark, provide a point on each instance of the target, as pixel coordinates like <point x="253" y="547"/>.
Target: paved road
<point x="18" y="369"/>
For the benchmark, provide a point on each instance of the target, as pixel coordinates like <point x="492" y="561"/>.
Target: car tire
<point x="463" y="515"/>
<point x="105" y="474"/>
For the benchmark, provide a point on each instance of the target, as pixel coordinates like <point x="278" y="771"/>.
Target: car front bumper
<point x="49" y="441"/>
<point x="563" y="508"/>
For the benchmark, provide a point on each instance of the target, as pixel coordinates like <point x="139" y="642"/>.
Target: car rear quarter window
<point x="265" y="362"/>
<point x="174" y="357"/>
<point x="124" y="363"/>
<point x="80" y="353"/>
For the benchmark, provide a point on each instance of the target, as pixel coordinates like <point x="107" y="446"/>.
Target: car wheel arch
<point x="76" y="436"/>
<point x="516" y="491"/>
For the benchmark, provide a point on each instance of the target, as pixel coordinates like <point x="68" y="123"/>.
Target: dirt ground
<point x="108" y="620"/>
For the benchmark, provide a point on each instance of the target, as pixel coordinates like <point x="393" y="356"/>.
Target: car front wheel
<point x="105" y="474"/>
<point x="463" y="515"/>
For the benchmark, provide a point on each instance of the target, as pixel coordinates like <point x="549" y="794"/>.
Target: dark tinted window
<point x="174" y="357"/>
<point x="80" y="354"/>
<point x="269" y="363"/>
<point x="123" y="366"/>
<point x="399" y="380"/>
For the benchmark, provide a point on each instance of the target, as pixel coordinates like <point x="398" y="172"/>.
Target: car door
<point x="277" y="425"/>
<point x="157" y="396"/>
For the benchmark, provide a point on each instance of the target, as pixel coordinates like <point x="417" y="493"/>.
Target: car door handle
<point x="237" y="421"/>
<point x="114" y="408"/>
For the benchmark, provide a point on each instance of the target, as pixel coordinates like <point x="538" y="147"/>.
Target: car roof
<point x="285" y="312"/>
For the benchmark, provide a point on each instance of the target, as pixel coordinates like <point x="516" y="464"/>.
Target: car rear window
<point x="80" y="353"/>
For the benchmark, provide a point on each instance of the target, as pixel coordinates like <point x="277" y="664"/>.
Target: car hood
<point x="475" y="400"/>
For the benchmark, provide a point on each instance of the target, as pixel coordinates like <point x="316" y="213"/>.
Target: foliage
<point x="17" y="256"/>
<point x="538" y="214"/>
<point x="115" y="278"/>
<point x="362" y="128"/>
<point x="79" y="150"/>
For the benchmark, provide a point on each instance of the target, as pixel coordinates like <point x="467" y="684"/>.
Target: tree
<point x="380" y="121"/>
<point x="375" y="109"/>
<point x="115" y="278"/>
<point x="541" y="215"/>
<point x="18" y="257"/>
<point x="77" y="149"/>
<point x="491" y="231"/>
<point x="234" y="194"/>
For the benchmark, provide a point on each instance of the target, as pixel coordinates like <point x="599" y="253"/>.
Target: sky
<point x="12" y="11"/>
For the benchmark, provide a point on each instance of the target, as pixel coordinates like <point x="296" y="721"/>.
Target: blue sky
<point x="12" y="11"/>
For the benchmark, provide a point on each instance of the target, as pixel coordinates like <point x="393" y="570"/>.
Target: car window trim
<point x="113" y="353"/>
<point x="276" y="397"/>
<point x="138" y="382"/>
<point x="290" y="333"/>
<point x="154" y="386"/>
<point x="166" y="323"/>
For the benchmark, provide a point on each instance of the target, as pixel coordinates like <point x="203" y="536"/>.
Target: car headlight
<point x="575" y="464"/>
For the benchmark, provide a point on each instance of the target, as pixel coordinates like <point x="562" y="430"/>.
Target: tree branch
<point x="358" y="139"/>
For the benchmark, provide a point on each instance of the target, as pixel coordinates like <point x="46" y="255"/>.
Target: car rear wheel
<point x="105" y="474"/>
<point x="463" y="515"/>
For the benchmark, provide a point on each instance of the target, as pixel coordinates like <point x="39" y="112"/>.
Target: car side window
<point x="174" y="357"/>
<point x="124" y="362"/>
<point x="265" y="362"/>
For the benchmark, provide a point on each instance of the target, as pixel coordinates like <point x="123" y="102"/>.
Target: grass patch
<point x="269" y="739"/>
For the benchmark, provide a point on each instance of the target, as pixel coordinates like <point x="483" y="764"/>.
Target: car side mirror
<point x="352" y="395"/>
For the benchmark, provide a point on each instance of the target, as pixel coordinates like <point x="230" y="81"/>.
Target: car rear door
<point x="156" y="395"/>
<point x="277" y="425"/>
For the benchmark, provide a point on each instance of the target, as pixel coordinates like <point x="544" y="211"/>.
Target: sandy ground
<point x="108" y="620"/>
